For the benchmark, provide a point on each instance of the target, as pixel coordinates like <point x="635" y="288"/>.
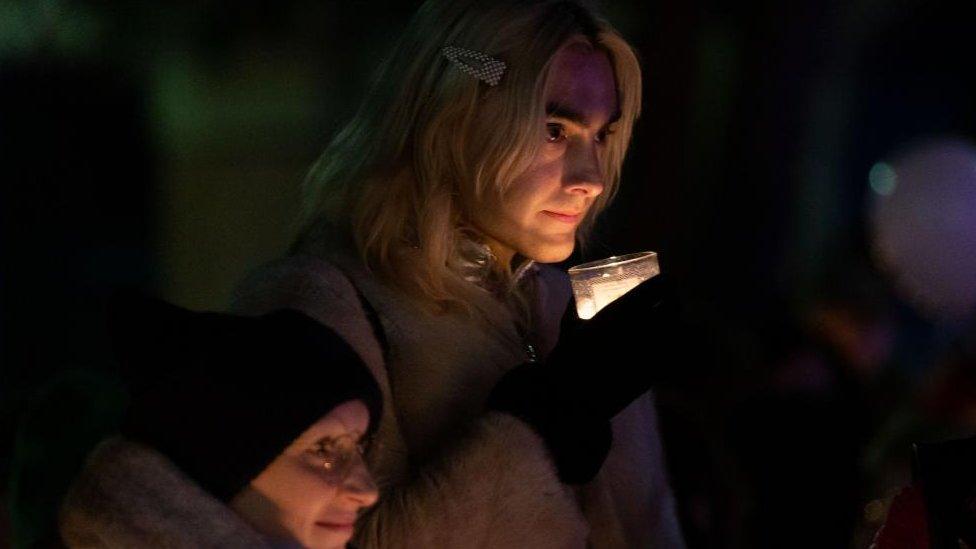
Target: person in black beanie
<point x="241" y="431"/>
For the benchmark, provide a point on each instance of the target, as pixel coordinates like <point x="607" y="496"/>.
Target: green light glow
<point x="883" y="179"/>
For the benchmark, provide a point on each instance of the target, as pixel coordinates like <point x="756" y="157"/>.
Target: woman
<point x="489" y="142"/>
<point x="218" y="448"/>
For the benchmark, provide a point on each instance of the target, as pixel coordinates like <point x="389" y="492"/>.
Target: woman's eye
<point x="603" y="135"/>
<point x="555" y="133"/>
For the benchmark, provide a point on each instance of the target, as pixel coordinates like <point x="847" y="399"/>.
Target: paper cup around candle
<point x="599" y="283"/>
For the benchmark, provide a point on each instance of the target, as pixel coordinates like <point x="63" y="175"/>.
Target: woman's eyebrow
<point x="557" y="110"/>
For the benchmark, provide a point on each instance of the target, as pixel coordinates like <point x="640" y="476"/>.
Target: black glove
<point x="598" y="368"/>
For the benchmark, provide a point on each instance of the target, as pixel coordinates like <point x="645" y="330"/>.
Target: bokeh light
<point x="882" y="179"/>
<point x="925" y="227"/>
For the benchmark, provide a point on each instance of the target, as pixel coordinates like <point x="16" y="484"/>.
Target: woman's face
<point x="539" y="214"/>
<point x="308" y="494"/>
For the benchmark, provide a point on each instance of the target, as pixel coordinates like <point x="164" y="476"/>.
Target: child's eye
<point x="327" y="451"/>
<point x="555" y="132"/>
<point x="336" y="455"/>
<point x="323" y="450"/>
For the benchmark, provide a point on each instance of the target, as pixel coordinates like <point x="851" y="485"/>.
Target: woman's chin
<point x="329" y="536"/>
<point x="552" y="255"/>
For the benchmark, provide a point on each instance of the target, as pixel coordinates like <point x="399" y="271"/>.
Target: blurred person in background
<point x="924" y="236"/>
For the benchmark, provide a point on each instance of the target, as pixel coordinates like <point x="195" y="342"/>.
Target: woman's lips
<point x="336" y="526"/>
<point x="562" y="217"/>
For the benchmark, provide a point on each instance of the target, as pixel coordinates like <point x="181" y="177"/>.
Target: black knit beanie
<point x="223" y="395"/>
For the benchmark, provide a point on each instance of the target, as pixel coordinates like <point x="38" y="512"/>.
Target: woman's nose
<point x="360" y="487"/>
<point x="582" y="171"/>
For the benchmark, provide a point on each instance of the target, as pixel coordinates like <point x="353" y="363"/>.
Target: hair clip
<point x="483" y="67"/>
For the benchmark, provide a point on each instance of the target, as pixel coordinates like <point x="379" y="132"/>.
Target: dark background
<point x="160" y="145"/>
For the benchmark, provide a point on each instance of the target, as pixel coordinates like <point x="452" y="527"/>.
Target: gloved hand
<point x="598" y="367"/>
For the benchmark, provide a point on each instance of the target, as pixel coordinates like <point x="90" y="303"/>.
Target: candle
<point x="599" y="283"/>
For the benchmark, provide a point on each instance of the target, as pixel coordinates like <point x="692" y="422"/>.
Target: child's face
<point x="566" y="175"/>
<point x="312" y="492"/>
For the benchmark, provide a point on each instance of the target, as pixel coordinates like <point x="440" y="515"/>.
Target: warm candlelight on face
<point x="599" y="283"/>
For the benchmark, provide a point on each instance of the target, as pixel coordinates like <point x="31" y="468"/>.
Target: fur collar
<point x="475" y="262"/>
<point x="129" y="495"/>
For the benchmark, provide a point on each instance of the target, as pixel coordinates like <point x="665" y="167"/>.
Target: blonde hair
<point x="401" y="179"/>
